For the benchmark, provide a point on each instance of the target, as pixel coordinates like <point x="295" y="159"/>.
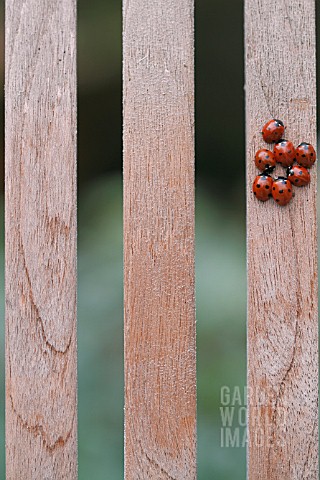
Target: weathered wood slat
<point x="160" y="372"/>
<point x="282" y="249"/>
<point x="40" y="221"/>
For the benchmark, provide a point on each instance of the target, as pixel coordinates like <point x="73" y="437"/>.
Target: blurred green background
<point x="220" y="235"/>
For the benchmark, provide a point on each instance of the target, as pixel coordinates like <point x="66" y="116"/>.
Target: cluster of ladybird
<point x="284" y="153"/>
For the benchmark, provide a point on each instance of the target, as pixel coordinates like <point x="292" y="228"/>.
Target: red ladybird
<point x="298" y="176"/>
<point x="273" y="131"/>
<point x="284" y="153"/>
<point x="305" y="154"/>
<point x="282" y="191"/>
<point x="262" y="186"/>
<point x="264" y="159"/>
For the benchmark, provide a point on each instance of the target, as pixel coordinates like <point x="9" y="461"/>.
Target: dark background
<point x="220" y="235"/>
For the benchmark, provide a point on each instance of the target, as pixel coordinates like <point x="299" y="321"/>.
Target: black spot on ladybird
<point x="280" y="191"/>
<point x="296" y="180"/>
<point x="277" y="199"/>
<point x="259" y="161"/>
<point x="267" y="187"/>
<point x="254" y="193"/>
<point x="258" y="186"/>
<point x="311" y="154"/>
<point x="270" y="195"/>
<point x="303" y="155"/>
<point x="280" y="153"/>
<point x="274" y="188"/>
<point x="289" y="190"/>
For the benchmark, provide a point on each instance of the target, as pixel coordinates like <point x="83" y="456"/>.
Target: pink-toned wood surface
<point x="40" y="222"/>
<point x="282" y="249"/>
<point x="160" y="370"/>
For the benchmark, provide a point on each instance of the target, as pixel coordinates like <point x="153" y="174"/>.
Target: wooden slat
<point x="282" y="249"/>
<point x="160" y="377"/>
<point x="40" y="138"/>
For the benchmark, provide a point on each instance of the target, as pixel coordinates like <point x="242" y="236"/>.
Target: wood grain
<point x="40" y="220"/>
<point x="160" y="371"/>
<point x="282" y="249"/>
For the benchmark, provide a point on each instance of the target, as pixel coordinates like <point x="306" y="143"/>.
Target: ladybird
<point x="262" y="186"/>
<point x="273" y="131"/>
<point x="282" y="191"/>
<point x="298" y="176"/>
<point x="305" y="154"/>
<point x="284" y="153"/>
<point x="264" y="159"/>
